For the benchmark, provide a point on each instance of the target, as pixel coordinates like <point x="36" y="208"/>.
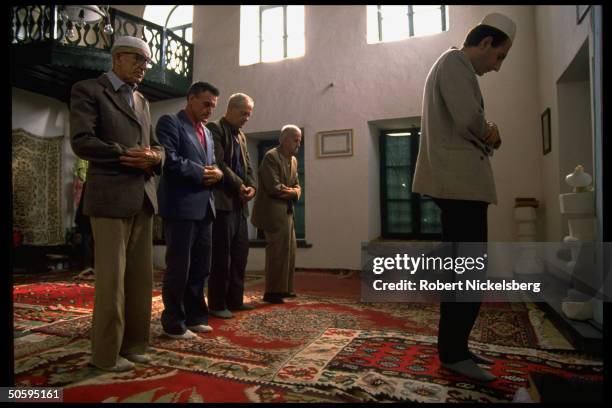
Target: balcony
<point x="45" y="61"/>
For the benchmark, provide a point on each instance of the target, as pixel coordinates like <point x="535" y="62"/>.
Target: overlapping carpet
<point x="317" y="347"/>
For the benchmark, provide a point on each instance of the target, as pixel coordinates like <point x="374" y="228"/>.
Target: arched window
<point x="178" y="19"/>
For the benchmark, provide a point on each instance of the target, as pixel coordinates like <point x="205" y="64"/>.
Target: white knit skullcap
<point x="502" y="23"/>
<point x="128" y="43"/>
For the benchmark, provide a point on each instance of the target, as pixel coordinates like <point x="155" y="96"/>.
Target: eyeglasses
<point x="141" y="60"/>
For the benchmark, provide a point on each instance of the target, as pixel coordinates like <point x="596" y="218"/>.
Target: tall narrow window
<point x="271" y="33"/>
<point x="404" y="215"/>
<point x="392" y="23"/>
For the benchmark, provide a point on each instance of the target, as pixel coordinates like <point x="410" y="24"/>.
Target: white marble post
<point x="579" y="207"/>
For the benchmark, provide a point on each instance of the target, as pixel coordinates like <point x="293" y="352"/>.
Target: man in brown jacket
<point x="110" y="126"/>
<point x="279" y="190"/>
<point x="230" y="243"/>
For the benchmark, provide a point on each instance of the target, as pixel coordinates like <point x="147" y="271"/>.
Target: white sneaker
<point x="137" y="358"/>
<point x="200" y="328"/>
<point x="188" y="335"/>
<point x="121" y="365"/>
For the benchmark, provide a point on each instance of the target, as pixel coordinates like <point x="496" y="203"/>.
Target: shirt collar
<point x="117" y="83"/>
<point x="234" y="129"/>
<point x="465" y="59"/>
<point x="196" y="125"/>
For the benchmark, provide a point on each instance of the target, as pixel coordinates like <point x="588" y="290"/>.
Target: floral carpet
<point x="37" y="180"/>
<point x="315" y="348"/>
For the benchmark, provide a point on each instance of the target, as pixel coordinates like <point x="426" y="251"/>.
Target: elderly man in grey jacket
<point x="110" y="126"/>
<point x="453" y="166"/>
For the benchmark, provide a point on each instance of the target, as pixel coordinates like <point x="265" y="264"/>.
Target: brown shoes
<point x="275" y="298"/>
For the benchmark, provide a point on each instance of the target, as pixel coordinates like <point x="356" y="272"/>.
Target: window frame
<point x="415" y="199"/>
<point x="263" y="8"/>
<point x="410" y="16"/>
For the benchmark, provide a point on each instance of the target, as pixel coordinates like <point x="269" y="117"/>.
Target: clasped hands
<point x="246" y="193"/>
<point x="212" y="175"/>
<point x="289" y="193"/>
<point x="141" y="158"/>
<point x="492" y="137"/>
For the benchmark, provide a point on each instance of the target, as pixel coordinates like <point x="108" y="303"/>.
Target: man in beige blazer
<point x="453" y="168"/>
<point x="273" y="212"/>
<point x="110" y="126"/>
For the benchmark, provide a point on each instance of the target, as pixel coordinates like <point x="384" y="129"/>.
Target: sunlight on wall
<point x="395" y="22"/>
<point x="271" y="45"/>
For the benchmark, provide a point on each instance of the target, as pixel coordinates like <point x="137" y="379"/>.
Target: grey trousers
<point x="124" y="281"/>
<point x="280" y="258"/>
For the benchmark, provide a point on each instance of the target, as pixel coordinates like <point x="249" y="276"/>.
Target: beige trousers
<point x="280" y="258"/>
<point x="124" y="280"/>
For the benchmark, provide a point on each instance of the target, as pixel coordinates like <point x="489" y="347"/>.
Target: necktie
<point x="200" y="132"/>
<point x="128" y="94"/>
<point x="287" y="165"/>
<point x="237" y="159"/>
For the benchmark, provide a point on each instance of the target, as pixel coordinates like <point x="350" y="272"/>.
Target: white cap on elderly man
<point x="128" y="43"/>
<point x="502" y="23"/>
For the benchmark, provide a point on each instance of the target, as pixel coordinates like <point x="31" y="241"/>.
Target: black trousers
<point x="188" y="258"/>
<point x="462" y="221"/>
<point x="231" y="249"/>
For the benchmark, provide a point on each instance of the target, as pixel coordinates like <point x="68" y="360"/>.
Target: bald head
<point x="239" y="109"/>
<point x="290" y="140"/>
<point x="288" y="130"/>
<point x="239" y="99"/>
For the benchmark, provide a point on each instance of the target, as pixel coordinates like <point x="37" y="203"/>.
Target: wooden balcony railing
<point x="40" y="27"/>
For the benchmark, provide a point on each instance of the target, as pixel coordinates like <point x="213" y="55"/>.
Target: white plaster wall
<point x="371" y="82"/>
<point x="558" y="39"/>
<point x="47" y="117"/>
<point x="575" y="130"/>
<point x="575" y="134"/>
<point x="135" y="10"/>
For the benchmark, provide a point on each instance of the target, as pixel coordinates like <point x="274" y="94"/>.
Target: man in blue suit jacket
<point x="185" y="196"/>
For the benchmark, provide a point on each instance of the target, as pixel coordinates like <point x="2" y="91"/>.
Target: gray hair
<point x="238" y="99"/>
<point x="287" y="130"/>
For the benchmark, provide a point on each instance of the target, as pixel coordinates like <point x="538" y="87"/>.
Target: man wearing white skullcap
<point x="110" y="126"/>
<point x="453" y="169"/>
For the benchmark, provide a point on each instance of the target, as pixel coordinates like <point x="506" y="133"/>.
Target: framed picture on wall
<point x="581" y="12"/>
<point x="546" y="147"/>
<point x="335" y="143"/>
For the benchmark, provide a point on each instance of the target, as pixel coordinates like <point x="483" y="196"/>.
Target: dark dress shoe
<point x="242" y="307"/>
<point x="480" y="359"/>
<point x="288" y="295"/>
<point x="273" y="298"/>
<point x="223" y="314"/>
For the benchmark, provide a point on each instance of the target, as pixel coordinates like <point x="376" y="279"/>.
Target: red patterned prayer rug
<point x="311" y="348"/>
<point x="338" y="284"/>
<point x="71" y="295"/>
<point x="405" y="367"/>
<point x="68" y="367"/>
<point x="78" y="295"/>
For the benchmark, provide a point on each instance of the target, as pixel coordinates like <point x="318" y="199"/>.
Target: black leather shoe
<point x="288" y="295"/>
<point x="480" y="359"/>
<point x="242" y="307"/>
<point x="273" y="298"/>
